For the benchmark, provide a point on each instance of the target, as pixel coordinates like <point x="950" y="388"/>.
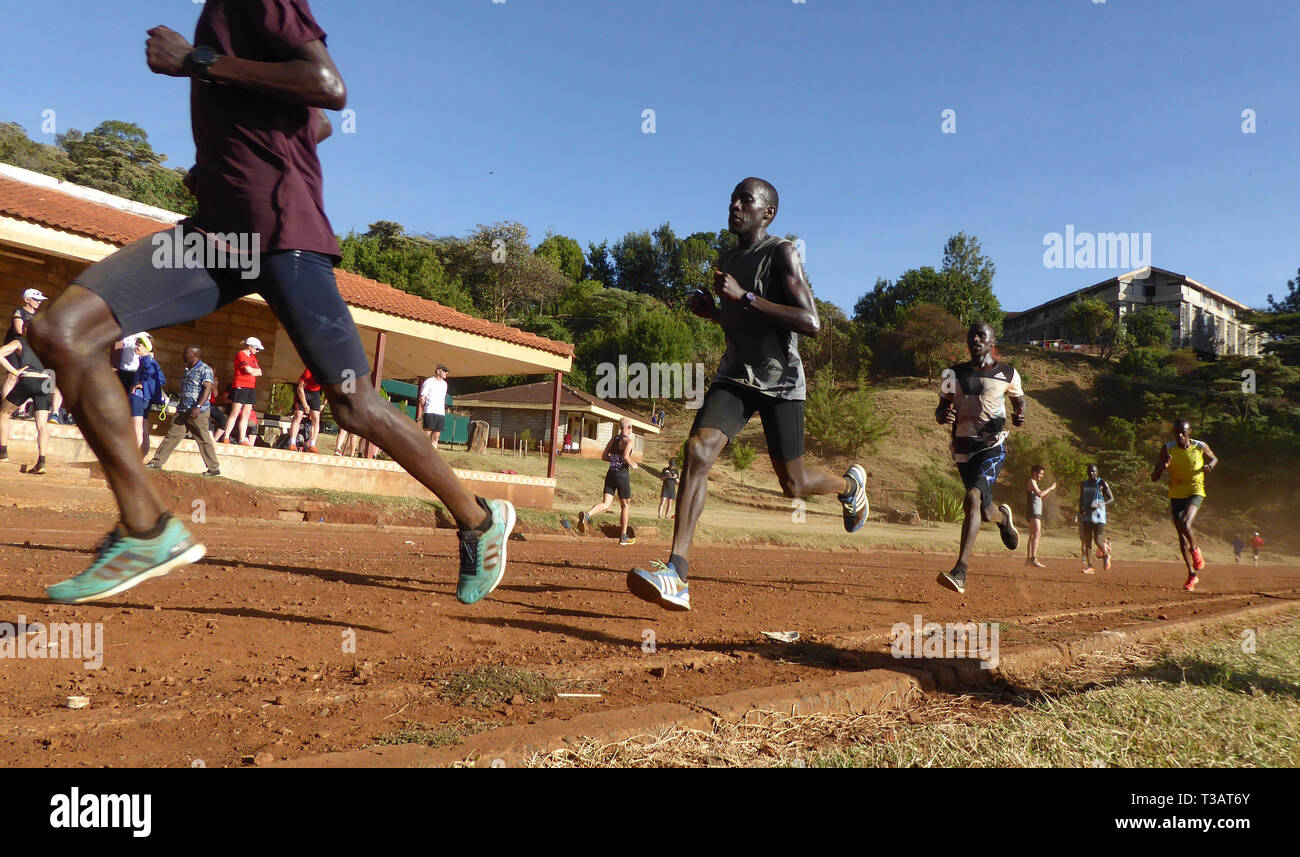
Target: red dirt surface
<point x="241" y="657"/>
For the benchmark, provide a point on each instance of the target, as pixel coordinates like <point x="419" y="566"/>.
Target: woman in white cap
<point x="149" y="382"/>
<point x="32" y="299"/>
<point x="243" y="391"/>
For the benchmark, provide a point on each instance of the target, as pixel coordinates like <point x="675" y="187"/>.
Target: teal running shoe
<point x="122" y="561"/>
<point x="483" y="552"/>
<point x="660" y="585"/>
<point x="856" y="507"/>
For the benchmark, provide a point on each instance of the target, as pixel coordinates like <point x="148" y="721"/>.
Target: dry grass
<point x="1195" y="701"/>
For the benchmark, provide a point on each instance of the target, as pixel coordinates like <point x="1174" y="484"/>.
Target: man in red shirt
<point x="306" y="400"/>
<point x="259" y="77"/>
<point x="243" y="390"/>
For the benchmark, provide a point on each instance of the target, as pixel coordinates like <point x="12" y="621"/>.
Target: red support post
<point x="555" y="425"/>
<point x="377" y="376"/>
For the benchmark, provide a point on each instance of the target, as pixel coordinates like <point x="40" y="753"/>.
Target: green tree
<point x="564" y="253"/>
<point x="387" y="254"/>
<point x="842" y="420"/>
<point x="18" y="149"/>
<point x="116" y="157"/>
<point x="742" y="456"/>
<point x="932" y="336"/>
<point x="1150" y="326"/>
<point x="1092" y="321"/>
<point x="502" y="274"/>
<point x="598" y="266"/>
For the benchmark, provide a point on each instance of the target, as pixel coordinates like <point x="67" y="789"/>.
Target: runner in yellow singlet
<point x="1187" y="461"/>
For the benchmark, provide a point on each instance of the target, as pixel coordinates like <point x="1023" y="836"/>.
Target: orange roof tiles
<point x="58" y="210"/>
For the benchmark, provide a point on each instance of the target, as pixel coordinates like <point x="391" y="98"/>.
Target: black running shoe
<point x="1010" y="535"/>
<point x="954" y="580"/>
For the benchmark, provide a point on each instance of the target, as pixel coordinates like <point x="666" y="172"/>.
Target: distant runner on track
<point x="1094" y="495"/>
<point x="1188" y="461"/>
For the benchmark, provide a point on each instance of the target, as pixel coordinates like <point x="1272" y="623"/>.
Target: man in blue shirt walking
<point x="192" y="414"/>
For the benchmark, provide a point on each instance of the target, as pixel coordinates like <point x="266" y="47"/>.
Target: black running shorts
<point x="729" y="407"/>
<point x="299" y="287"/>
<point x="434" y="422"/>
<point x="243" y="395"/>
<point x="1090" y="532"/>
<point x="1179" y="505"/>
<point x="619" y="482"/>
<point x="39" y="390"/>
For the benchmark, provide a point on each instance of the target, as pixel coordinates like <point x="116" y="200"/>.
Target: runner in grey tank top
<point x="761" y="354"/>
<point x="765" y="306"/>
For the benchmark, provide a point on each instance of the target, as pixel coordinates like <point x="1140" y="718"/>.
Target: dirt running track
<point x="242" y="657"/>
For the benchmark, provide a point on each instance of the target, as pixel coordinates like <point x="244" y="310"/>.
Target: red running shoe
<point x="1198" y="561"/>
<point x="1192" y="580"/>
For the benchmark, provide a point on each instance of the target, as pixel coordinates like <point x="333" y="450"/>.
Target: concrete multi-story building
<point x="1204" y="320"/>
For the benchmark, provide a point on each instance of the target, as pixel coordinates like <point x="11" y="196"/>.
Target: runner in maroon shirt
<point x="259" y="76"/>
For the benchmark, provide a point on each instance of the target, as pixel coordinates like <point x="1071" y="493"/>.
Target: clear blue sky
<point x="1117" y="116"/>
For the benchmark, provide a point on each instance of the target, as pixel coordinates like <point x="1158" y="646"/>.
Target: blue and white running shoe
<point x="660" y="585"/>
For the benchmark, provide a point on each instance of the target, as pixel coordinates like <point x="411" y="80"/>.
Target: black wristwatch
<point x="200" y="61"/>
<point x="750" y="297"/>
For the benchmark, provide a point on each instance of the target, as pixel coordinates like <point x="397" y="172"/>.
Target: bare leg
<point x="366" y="415"/>
<point x="602" y="506"/>
<point x="970" y="527"/>
<point x="6" y="412"/>
<point x="42" y="432"/>
<point x="226" y="433"/>
<point x="799" y="480"/>
<point x="702" y="451"/>
<point x="293" y="427"/>
<point x="624" y="512"/>
<point x="244" y="411"/>
<point x="72" y="337"/>
<point x="315" y="429"/>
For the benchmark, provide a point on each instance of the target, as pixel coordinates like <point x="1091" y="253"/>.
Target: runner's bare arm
<point x="703" y="306"/>
<point x="4" y="354"/>
<point x="302" y="395"/>
<point x="800" y="315"/>
<point x="1161" y="464"/>
<point x="1017" y="412"/>
<point x="945" y="414"/>
<point x="1213" y="460"/>
<point x="322" y="124"/>
<point x="309" y="78"/>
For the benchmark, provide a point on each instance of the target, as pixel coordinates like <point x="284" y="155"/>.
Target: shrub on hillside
<point x="939" y="495"/>
<point x="840" y="420"/>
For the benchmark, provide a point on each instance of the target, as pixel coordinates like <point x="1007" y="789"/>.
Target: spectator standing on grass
<point x="432" y="408"/>
<point x="243" y="390"/>
<point x="306" y="400"/>
<point x="668" y="493"/>
<point x="1035" y="512"/>
<point x="147" y="390"/>
<point x="192" y="414"/>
